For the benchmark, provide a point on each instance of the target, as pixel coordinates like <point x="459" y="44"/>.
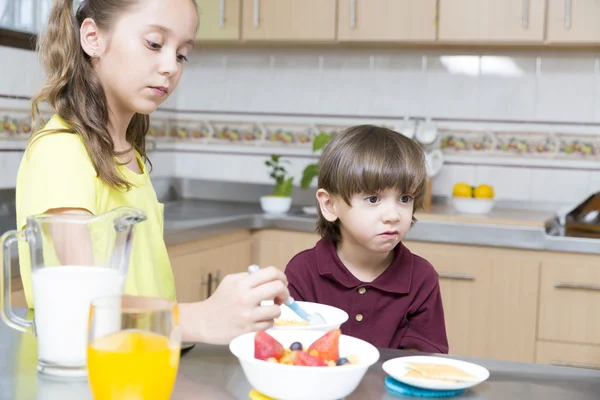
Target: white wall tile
<point x="295" y="84"/>
<point x="594" y="182"/>
<point x="163" y="164"/>
<point x="9" y="165"/>
<point x="399" y="84"/>
<point x="347" y="81"/>
<point x="507" y="87"/>
<point x="509" y="183"/>
<point x="449" y="175"/>
<point x="452" y="86"/>
<point x="597" y="93"/>
<point x="566" y="89"/>
<point x="559" y="186"/>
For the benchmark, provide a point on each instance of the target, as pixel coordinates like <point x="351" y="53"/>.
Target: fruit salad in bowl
<point x="303" y="364"/>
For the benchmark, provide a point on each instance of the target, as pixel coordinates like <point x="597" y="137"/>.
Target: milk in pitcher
<point x="62" y="298"/>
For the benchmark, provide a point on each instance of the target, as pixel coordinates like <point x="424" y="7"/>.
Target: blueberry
<point x="342" y="361"/>
<point x="296" y="346"/>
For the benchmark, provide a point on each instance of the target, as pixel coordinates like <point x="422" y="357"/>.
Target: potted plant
<point x="280" y="201"/>
<point x="312" y="170"/>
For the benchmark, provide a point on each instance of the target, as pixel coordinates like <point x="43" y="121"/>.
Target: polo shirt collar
<point x="395" y="279"/>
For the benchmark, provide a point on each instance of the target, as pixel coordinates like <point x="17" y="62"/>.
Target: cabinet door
<point x="224" y="260"/>
<point x="191" y="277"/>
<point x="276" y="248"/>
<point x="568" y="355"/>
<point x="289" y="20"/>
<point x="219" y="20"/>
<point x="465" y="280"/>
<point x="387" y="20"/>
<point x="506" y="21"/>
<point x="199" y="266"/>
<point x="570" y="299"/>
<point x="572" y="21"/>
<point x="18" y="299"/>
<point x="489" y="297"/>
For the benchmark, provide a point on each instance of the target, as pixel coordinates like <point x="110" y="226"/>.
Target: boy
<point x="370" y="181"/>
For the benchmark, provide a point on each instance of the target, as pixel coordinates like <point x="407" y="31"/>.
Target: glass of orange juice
<point x="133" y="348"/>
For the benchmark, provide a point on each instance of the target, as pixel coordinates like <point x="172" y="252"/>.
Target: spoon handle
<point x="290" y="302"/>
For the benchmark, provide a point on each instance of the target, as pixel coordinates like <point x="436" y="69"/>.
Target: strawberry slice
<point x="327" y="346"/>
<point x="266" y="346"/>
<point x="305" y="359"/>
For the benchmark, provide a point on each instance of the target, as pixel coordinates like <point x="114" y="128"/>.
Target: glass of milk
<point x="71" y="258"/>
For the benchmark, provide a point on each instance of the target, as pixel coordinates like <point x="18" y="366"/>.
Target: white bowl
<point x="471" y="205"/>
<point x="275" y="204"/>
<point x="291" y="382"/>
<point x="398" y="367"/>
<point x="333" y="316"/>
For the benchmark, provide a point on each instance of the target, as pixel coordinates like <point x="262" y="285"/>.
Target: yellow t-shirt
<point x="57" y="172"/>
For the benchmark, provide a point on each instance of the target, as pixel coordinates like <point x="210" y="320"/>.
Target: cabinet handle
<point x="209" y="284"/>
<point x="580" y="286"/>
<point x="352" y="14"/>
<point x="574" y="365"/>
<point x="462" y="277"/>
<point x="525" y="14"/>
<point x="567" y="14"/>
<point x="256" y="12"/>
<point x="221" y="13"/>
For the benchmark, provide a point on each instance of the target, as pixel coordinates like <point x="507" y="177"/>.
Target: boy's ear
<point x="327" y="205"/>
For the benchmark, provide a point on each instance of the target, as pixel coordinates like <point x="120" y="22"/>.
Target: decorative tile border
<point x="522" y="144"/>
<point x="16" y="124"/>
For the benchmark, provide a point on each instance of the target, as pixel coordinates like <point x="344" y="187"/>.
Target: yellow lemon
<point x="461" y="189"/>
<point x="484" y="192"/>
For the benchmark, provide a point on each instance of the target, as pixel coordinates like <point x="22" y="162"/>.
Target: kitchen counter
<point x="187" y="220"/>
<point x="212" y="373"/>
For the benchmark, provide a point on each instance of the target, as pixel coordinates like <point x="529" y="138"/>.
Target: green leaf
<point x="309" y="173"/>
<point x="321" y="141"/>
<point x="284" y="188"/>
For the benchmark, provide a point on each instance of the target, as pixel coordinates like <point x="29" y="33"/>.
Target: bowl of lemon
<point x="473" y="199"/>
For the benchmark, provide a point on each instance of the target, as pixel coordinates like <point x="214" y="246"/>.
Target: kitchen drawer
<point x="568" y="355"/>
<point x="18" y="299"/>
<point x="570" y="300"/>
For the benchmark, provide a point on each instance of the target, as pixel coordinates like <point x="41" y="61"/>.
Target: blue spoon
<point x="313" y="319"/>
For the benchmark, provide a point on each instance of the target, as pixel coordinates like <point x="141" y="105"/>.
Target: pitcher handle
<point x="6" y="313"/>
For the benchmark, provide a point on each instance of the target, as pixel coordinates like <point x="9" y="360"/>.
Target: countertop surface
<point x="213" y="373"/>
<point x="187" y="220"/>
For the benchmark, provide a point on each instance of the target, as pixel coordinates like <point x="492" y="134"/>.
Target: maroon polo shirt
<point x="400" y="309"/>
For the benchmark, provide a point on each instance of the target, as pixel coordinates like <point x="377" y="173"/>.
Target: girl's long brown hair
<point x="73" y="90"/>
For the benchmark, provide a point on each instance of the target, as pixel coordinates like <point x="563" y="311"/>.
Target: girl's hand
<point x="235" y="307"/>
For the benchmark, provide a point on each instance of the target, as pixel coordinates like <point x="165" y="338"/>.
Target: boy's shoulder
<point x="303" y="259"/>
<point x="423" y="270"/>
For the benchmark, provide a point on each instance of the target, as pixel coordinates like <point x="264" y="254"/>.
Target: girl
<point x="108" y="66"/>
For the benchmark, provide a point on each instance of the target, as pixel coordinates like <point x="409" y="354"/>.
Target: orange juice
<point x="132" y="365"/>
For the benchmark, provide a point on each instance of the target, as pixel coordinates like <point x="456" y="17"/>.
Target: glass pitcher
<point x="74" y="258"/>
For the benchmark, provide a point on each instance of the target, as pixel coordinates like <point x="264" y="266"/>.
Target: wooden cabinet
<point x="289" y="20"/>
<point x="387" y="20"/>
<point x="570" y="299"/>
<point x="488" y="21"/>
<point x="18" y="299"/>
<point x="573" y="21"/>
<point x="199" y="267"/>
<point x="276" y="248"/>
<point x="17" y="294"/>
<point x="219" y="20"/>
<point x="489" y="297"/>
<point x="568" y="355"/>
